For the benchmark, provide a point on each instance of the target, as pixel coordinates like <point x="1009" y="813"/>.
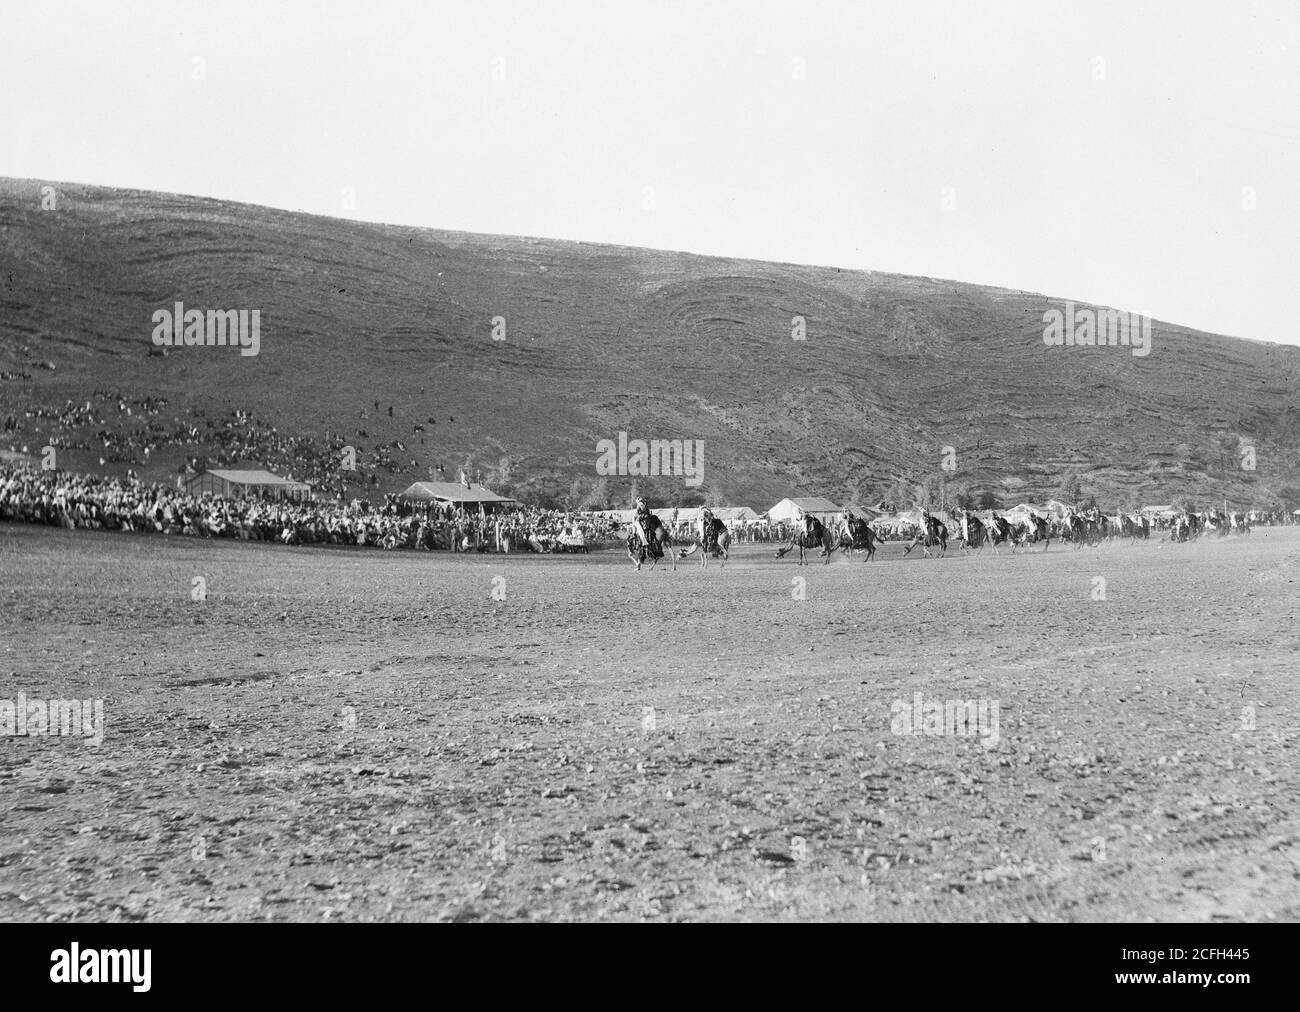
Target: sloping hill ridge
<point x="602" y="339"/>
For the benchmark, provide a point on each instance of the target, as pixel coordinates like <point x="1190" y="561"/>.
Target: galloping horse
<point x="860" y="535"/>
<point x="660" y="540"/>
<point x="814" y="535"/>
<point x="1041" y="532"/>
<point x="936" y="533"/>
<point x="713" y="536"/>
<point x="1078" y="529"/>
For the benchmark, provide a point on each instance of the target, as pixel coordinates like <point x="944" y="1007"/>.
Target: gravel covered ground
<point x="358" y="735"/>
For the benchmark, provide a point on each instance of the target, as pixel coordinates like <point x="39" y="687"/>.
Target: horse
<point x="1022" y="534"/>
<point x="936" y="533"/>
<point x="659" y="540"/>
<point x="974" y="533"/>
<point x="1000" y="531"/>
<point x="860" y="535"/>
<point x="814" y="535"/>
<point x="1040" y="530"/>
<point x="1078" y="529"/>
<point x="713" y="537"/>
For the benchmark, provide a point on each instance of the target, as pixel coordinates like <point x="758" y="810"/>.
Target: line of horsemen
<point x="648" y="537"/>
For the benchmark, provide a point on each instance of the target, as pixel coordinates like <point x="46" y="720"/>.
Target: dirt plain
<point x="357" y="735"/>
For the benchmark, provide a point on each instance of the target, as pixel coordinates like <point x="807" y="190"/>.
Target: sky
<point x="1137" y="155"/>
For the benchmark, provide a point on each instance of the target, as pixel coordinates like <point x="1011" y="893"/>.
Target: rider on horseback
<point x="708" y="529"/>
<point x="642" y="524"/>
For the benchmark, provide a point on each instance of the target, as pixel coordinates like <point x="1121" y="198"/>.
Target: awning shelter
<point x="230" y="484"/>
<point x="455" y="494"/>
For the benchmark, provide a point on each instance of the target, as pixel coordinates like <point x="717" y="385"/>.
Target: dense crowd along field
<point x="94" y="502"/>
<point x="306" y="733"/>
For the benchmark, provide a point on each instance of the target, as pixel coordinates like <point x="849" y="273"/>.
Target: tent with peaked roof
<point x="735" y="515"/>
<point x="788" y="510"/>
<point x="1021" y="513"/>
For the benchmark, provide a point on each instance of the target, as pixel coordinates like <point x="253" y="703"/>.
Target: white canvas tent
<point x="1024" y="511"/>
<point x="789" y="510"/>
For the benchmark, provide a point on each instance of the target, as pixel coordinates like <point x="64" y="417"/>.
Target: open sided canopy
<point x="233" y="484"/>
<point x="454" y="493"/>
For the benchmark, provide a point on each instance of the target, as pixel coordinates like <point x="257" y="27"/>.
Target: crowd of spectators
<point x="92" y="502"/>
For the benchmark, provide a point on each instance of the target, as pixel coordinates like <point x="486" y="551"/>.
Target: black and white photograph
<point x="607" y="463"/>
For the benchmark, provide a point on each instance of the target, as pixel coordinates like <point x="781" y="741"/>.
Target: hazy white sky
<point x="1142" y="155"/>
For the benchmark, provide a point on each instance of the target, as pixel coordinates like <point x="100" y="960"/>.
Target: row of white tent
<point x="794" y="510"/>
